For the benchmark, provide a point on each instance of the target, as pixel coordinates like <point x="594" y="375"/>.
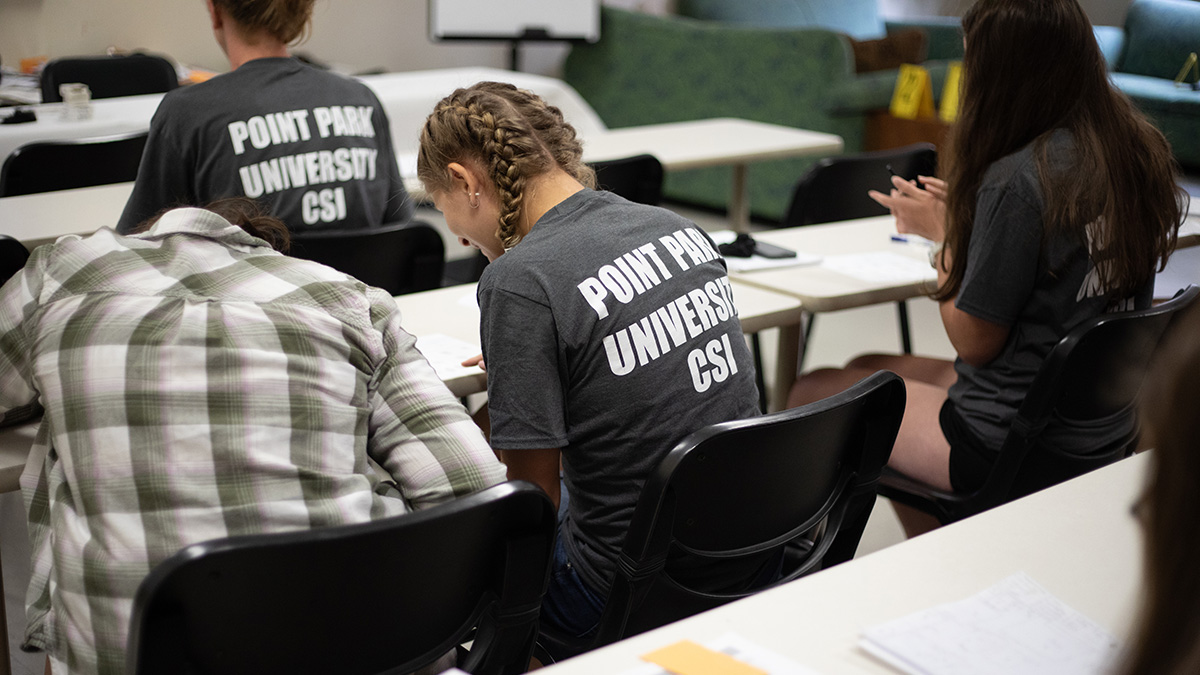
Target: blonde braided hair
<point x="511" y="134"/>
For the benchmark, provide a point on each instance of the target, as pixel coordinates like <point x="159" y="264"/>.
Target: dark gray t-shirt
<point x="610" y="332"/>
<point x="1040" y="284"/>
<point x="314" y="146"/>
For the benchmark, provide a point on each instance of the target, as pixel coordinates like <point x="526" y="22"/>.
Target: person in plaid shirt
<point x="198" y="384"/>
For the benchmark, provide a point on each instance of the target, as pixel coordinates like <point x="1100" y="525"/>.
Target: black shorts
<point x="970" y="461"/>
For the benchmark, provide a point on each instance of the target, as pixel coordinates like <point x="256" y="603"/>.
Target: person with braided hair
<point x="312" y="146"/>
<point x="608" y="327"/>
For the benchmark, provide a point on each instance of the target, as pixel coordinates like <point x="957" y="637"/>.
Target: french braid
<point x="509" y="133"/>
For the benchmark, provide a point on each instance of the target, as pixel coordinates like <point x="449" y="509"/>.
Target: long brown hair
<point x="511" y="134"/>
<point x="1031" y="67"/>
<point x="1167" y="638"/>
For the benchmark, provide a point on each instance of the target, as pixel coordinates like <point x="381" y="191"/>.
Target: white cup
<point x="77" y="101"/>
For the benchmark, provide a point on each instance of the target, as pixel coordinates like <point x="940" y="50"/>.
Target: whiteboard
<point x="515" y="19"/>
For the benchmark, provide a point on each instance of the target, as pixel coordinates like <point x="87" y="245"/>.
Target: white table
<point x="824" y="288"/>
<point x="713" y="142"/>
<point x="110" y="116"/>
<point x="1078" y="540"/>
<point x="41" y="218"/>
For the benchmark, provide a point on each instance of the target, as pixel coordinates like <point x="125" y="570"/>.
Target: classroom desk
<point x="713" y="142"/>
<point x="41" y="218"/>
<point x="821" y="288"/>
<point x="452" y="311"/>
<point x="110" y="117"/>
<point x="1078" y="540"/>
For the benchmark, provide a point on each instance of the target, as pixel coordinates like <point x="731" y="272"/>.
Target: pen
<point x="911" y="239"/>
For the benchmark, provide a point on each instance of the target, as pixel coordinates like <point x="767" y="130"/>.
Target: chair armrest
<point x="1112" y="44"/>
<point x="944" y="32"/>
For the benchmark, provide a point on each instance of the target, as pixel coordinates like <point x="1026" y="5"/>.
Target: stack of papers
<point x="1014" y="627"/>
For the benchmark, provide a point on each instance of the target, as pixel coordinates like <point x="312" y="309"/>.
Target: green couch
<point x="647" y="69"/>
<point x="1146" y="55"/>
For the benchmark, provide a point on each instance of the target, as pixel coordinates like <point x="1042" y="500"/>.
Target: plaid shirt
<point x="197" y="384"/>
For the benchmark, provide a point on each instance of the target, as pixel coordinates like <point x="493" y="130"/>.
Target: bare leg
<point x="938" y="372"/>
<point x="921" y="450"/>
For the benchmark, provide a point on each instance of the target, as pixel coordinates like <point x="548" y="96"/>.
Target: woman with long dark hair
<point x="1059" y="203"/>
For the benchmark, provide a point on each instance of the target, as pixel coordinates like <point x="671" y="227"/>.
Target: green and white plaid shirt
<point x="197" y="384"/>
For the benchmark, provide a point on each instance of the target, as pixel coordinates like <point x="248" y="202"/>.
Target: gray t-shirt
<point x="314" y="146"/>
<point x="610" y="332"/>
<point x="1022" y="274"/>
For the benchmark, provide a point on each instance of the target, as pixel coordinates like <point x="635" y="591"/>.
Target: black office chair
<point x="13" y="256"/>
<point x="797" y="484"/>
<point x="638" y="178"/>
<point x="45" y="166"/>
<point x="389" y="596"/>
<point x="835" y="188"/>
<point x="109" y="76"/>
<point x="399" y="258"/>
<point x="1094" y="373"/>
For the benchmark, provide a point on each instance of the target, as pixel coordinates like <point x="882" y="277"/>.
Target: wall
<point x="359" y="34"/>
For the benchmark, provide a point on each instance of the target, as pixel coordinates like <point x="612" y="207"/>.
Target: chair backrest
<point x="109" y="76"/>
<point x="1093" y="375"/>
<point x="835" y="188"/>
<point x="45" y="166"/>
<point x="399" y="258"/>
<point x="638" y="178"/>
<point x="799" y="482"/>
<point x="387" y="596"/>
<point x="13" y="255"/>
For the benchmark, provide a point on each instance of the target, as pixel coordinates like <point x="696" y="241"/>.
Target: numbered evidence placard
<point x="514" y="20"/>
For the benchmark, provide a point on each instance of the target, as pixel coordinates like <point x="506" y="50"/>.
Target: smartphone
<point x="772" y="251"/>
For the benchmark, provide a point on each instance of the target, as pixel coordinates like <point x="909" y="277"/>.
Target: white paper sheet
<point x="446" y="355"/>
<point x="880" y="267"/>
<point x="1013" y="628"/>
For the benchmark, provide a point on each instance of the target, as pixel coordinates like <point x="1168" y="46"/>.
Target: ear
<point x="463" y="178"/>
<point x="215" y="15"/>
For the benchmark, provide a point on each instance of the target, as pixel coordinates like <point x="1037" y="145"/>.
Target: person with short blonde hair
<point x="313" y="146"/>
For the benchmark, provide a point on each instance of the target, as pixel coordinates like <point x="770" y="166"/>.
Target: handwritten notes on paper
<point x="1013" y="627"/>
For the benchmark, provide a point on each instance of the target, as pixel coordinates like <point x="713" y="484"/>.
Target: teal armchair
<point x="648" y="69"/>
<point x="1146" y="55"/>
